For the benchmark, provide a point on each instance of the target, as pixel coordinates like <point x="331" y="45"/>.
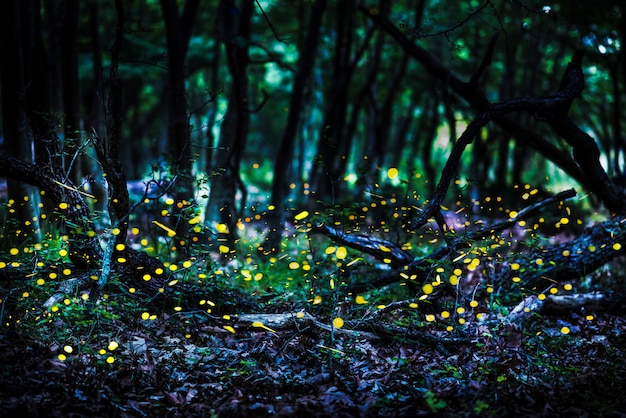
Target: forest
<point x="348" y="208"/>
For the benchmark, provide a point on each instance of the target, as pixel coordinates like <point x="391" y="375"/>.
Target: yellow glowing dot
<point x="62" y="357"/>
<point x="427" y="289"/>
<point x="120" y="247"/>
<point x="413" y="305"/>
<point x="110" y="359"/>
<point x="473" y="304"/>
<point x="445" y="314"/>
<point x="360" y="300"/>
<point x="115" y="231"/>
<point x="330" y="250"/>
<point x="461" y="321"/>
<point x="564" y="221"/>
<point x="158" y="271"/>
<point x="224" y="249"/>
<point x="169" y="201"/>
<point x="173" y="267"/>
<point x="617" y="246"/>
<point x="14" y="251"/>
<point x="300" y="216"/>
<point x="539" y="261"/>
<point x="67" y="272"/>
<point x="68" y="349"/>
<point x="40" y="282"/>
<point x="341" y="253"/>
<point x="178" y="308"/>
<point x="541" y="296"/>
<point x="589" y="317"/>
<point x="132" y="290"/>
<point x="513" y="214"/>
<point x="566" y="253"/>
<point x="195" y="220"/>
<point x="454" y="280"/>
<point x="145" y="316"/>
<point x="460" y="310"/>
<point x="554" y="290"/>
<point x="63" y="205"/>
<point x="135" y="231"/>
<point x="294" y="265"/>
<point x="147" y="277"/>
<point x="392" y="173"/>
<point x="317" y="300"/>
<point x="121" y="260"/>
<point x="565" y="330"/>
<point x="567" y="286"/>
<point x="592" y="248"/>
<point x="338" y="322"/>
<point x="516" y="279"/>
<point x="63" y="252"/>
<point x="112" y="345"/>
<point x="515" y="266"/>
<point x="430" y="317"/>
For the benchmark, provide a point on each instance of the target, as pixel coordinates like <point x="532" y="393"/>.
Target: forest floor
<point x="180" y="365"/>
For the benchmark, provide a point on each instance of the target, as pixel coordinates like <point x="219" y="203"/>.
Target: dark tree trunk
<point x="15" y="74"/>
<point x="225" y="173"/>
<point x="71" y="91"/>
<point x="333" y="144"/>
<point x="178" y="32"/>
<point x="284" y="157"/>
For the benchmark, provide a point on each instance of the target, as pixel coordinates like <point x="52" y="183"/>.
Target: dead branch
<point x="557" y="304"/>
<point x="379" y="248"/>
<point x="369" y="328"/>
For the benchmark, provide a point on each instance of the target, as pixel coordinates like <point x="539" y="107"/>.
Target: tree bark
<point x="17" y="32"/>
<point x="284" y="157"/>
<point x="225" y="174"/>
<point x="178" y="32"/>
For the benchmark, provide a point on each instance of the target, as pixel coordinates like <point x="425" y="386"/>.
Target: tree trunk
<point x="225" y="177"/>
<point x="333" y="144"/>
<point x="178" y="32"/>
<point x="72" y="152"/>
<point x="17" y="32"/>
<point x="284" y="157"/>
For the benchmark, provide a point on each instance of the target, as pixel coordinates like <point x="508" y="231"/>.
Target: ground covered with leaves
<point x="187" y="364"/>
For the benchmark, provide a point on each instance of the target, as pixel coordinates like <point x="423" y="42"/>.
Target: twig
<point x="283" y="40"/>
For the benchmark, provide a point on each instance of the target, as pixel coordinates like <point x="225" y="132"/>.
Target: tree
<point x="285" y="154"/>
<point x="178" y="28"/>
<point x="225" y="178"/>
<point x="16" y="74"/>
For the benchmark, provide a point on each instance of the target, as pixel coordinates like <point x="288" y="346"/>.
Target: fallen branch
<point x="557" y="304"/>
<point x="377" y="247"/>
<point x="370" y="328"/>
